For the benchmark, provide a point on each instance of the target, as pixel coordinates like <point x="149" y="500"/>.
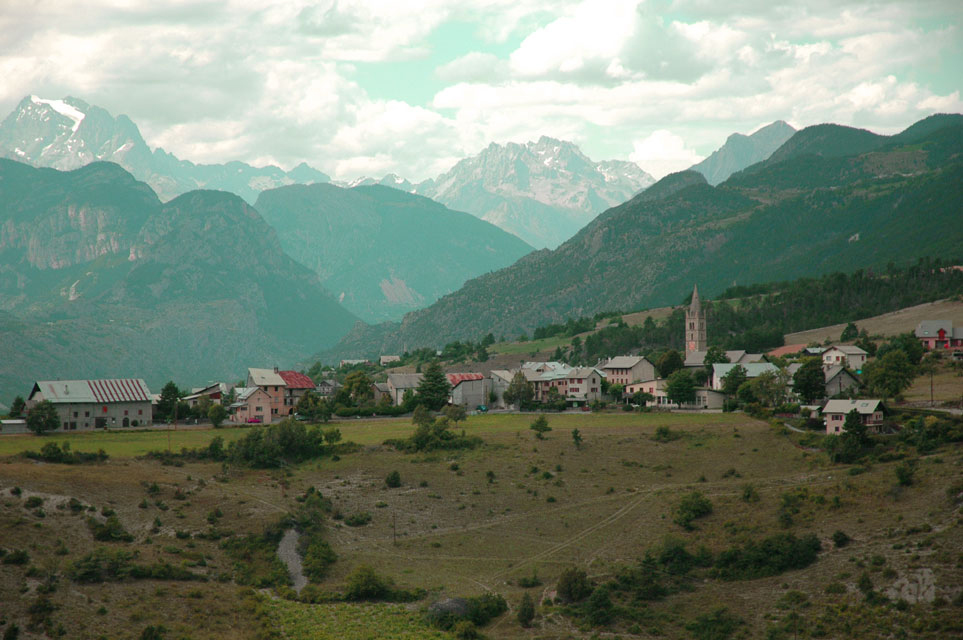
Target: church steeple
<point x="695" y="324"/>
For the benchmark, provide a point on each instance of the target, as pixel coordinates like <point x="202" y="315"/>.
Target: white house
<point x="845" y="355"/>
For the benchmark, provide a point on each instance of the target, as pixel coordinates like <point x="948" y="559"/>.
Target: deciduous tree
<point x="679" y="389"/>
<point x="809" y="381"/>
<point x="43" y="418"/>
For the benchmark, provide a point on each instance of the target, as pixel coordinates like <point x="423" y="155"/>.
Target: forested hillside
<point x="829" y="206"/>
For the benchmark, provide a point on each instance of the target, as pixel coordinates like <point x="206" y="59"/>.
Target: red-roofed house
<point x="284" y="388"/>
<point x="468" y="389"/>
<point x="296" y="385"/>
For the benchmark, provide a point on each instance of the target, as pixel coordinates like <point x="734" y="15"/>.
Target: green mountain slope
<point x="99" y="278"/>
<point x="818" y="211"/>
<point x="382" y="251"/>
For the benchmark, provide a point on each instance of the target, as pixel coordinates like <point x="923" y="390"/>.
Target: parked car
<point x="254" y="421"/>
<point x="482" y="408"/>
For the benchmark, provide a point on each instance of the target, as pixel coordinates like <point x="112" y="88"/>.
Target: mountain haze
<point x="99" y="278"/>
<point x="741" y="151"/>
<point x="68" y="134"/>
<point x="820" y="210"/>
<point x="384" y="252"/>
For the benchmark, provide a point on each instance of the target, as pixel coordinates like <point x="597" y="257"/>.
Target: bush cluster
<point x="61" y="454"/>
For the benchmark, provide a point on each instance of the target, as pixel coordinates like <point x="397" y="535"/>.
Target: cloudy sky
<point x="366" y="87"/>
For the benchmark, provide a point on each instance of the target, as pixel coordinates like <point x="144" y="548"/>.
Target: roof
<point x="504" y="374"/>
<point x="455" y="379"/>
<point x="265" y="377"/>
<point x="845" y="406"/>
<point x="753" y="369"/>
<point x="835" y="370"/>
<point x="100" y="391"/>
<point x="848" y="349"/>
<point x="622" y="362"/>
<point x="381" y="386"/>
<point x="296" y="380"/>
<point x="931" y="328"/>
<point x="698" y="358"/>
<point x="582" y="372"/>
<point x="404" y="380"/>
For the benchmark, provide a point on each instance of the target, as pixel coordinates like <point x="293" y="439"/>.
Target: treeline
<point x="756" y="317"/>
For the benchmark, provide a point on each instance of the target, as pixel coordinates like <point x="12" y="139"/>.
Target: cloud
<point x="263" y="81"/>
<point x="662" y="153"/>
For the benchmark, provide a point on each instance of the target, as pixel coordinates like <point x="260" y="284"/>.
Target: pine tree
<point x="433" y="389"/>
<point x="526" y="611"/>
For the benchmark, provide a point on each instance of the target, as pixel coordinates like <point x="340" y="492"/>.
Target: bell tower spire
<point x="695" y="324"/>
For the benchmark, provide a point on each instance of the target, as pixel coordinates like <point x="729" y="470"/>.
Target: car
<point x="482" y="408"/>
<point x="254" y="421"/>
<point x="585" y="407"/>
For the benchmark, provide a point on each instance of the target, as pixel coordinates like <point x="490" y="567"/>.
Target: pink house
<point x="939" y="334"/>
<point x="252" y="406"/>
<point x="870" y="413"/>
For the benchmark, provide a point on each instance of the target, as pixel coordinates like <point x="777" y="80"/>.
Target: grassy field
<point x="468" y="522"/>
<point x="888" y="324"/>
<point x="947" y="387"/>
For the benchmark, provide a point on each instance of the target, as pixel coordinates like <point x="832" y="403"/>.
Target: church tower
<point x="695" y="324"/>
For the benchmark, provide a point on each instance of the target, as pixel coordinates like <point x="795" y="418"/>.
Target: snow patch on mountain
<point x="63" y="109"/>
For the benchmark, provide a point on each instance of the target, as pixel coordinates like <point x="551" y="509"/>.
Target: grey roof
<point x="404" y="380"/>
<point x="504" y="374"/>
<point x="265" y="377"/>
<point x="381" y="386"/>
<point x="698" y="358"/>
<point x="931" y="328"/>
<point x="753" y="369"/>
<point x="622" y="362"/>
<point x="832" y="372"/>
<point x="849" y="349"/>
<point x="845" y="406"/>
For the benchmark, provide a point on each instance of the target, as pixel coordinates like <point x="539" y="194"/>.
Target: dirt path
<point x="288" y="553"/>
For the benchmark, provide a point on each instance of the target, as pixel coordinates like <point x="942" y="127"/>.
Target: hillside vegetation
<point x="654" y="525"/>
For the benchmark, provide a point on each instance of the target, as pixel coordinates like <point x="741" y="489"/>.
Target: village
<point x="820" y="383"/>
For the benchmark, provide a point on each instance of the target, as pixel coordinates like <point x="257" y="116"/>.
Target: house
<point x="645" y="386"/>
<point x="576" y="385"/>
<point x="846" y="355"/>
<point x="870" y="413"/>
<point x="214" y="392"/>
<point x="838" y="378"/>
<point x="468" y="389"/>
<point x="753" y="370"/>
<point x="380" y="390"/>
<point x="499" y="380"/>
<point x="252" y="405"/>
<point x="939" y="334"/>
<point x="327" y="388"/>
<point x="383" y="360"/>
<point x="90" y="404"/>
<point x="696" y="359"/>
<point x="285" y="388"/>
<point x="625" y="370"/>
<point x="398" y="383"/>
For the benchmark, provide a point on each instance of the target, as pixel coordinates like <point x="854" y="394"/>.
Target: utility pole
<point x="394" y="528"/>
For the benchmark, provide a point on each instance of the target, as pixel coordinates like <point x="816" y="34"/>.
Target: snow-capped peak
<point x="63" y="108"/>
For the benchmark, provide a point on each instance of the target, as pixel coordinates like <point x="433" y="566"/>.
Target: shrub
<point x="693" y="506"/>
<point x="665" y="434"/>
<point x="540" y="427"/>
<point x="840" y="539"/>
<point x="529" y="582"/>
<point x="33" y="502"/>
<point x="393" y="481"/>
<point x="772" y="556"/>
<point x="365" y="584"/>
<point x="16" y="557"/>
<point x="718" y="625"/>
<point x="526" y="611"/>
<point x="598" y="608"/>
<point x="573" y="585"/>
<point x="110" y="531"/>
<point x="317" y="559"/>
<point x="358" y="519"/>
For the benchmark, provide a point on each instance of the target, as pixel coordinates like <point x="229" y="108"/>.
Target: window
<point x="86" y="414"/>
<point x="140" y="412"/>
<point x="258" y="409"/>
<point x="75" y="414"/>
<point x="125" y="412"/>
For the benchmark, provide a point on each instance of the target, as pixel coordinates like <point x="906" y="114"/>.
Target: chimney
<point x="275" y="368"/>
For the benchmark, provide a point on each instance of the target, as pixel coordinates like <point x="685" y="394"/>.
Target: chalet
<point x="213" y="392"/>
<point x="625" y="370"/>
<point x="838" y="378"/>
<point x="753" y="370"/>
<point x="383" y="360"/>
<point x="380" y="390"/>
<point x="939" y="334"/>
<point x="398" y="383"/>
<point x="252" y="405"/>
<point x="90" y="404"/>
<point x="845" y="355"/>
<point x="870" y="413"/>
<point x="468" y="389"/>
<point x="327" y="388"/>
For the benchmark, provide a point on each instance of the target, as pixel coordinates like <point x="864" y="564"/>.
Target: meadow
<point x="506" y="518"/>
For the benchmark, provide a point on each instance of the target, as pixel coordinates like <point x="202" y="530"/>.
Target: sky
<point x="368" y="87"/>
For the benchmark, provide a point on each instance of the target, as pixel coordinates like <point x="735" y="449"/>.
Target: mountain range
<point x="543" y="191"/>
<point x="382" y="251"/>
<point x="98" y="277"/>
<point x="831" y="198"/>
<point x="69" y="133"/>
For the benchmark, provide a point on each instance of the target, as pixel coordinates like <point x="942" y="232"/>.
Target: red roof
<point x="295" y="380"/>
<point x="786" y="350"/>
<point x="457" y="378"/>
<point x="119" y="390"/>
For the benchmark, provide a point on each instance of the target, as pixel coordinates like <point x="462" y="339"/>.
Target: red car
<point x="254" y="421"/>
